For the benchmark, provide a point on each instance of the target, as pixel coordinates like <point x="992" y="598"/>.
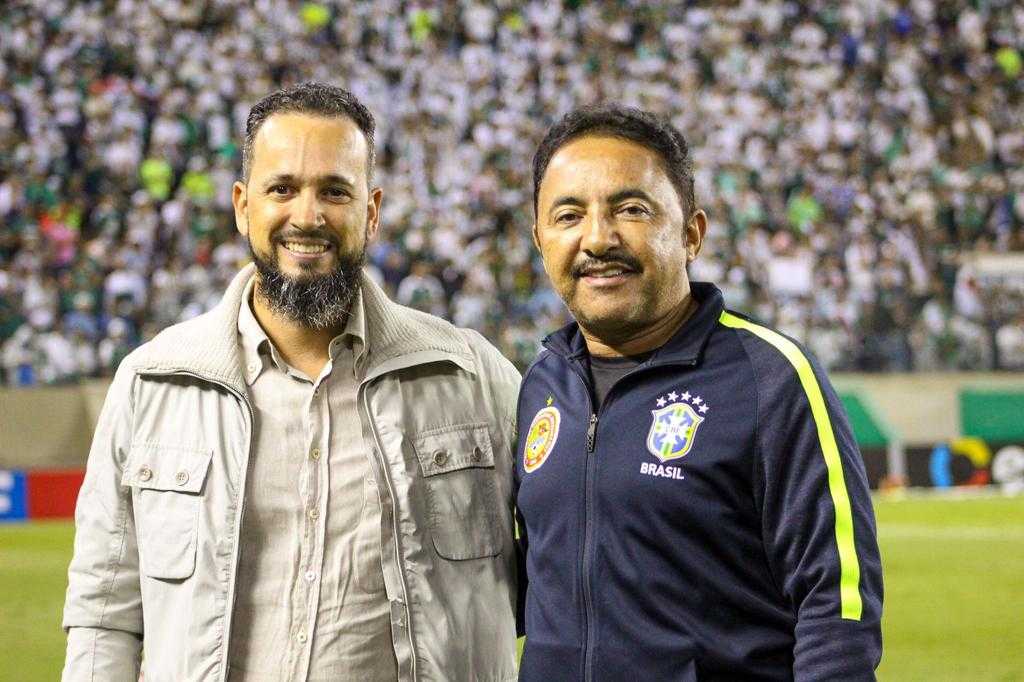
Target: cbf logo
<point x="541" y="437"/>
<point x="674" y="425"/>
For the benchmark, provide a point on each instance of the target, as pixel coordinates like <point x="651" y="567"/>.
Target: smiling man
<point x="692" y="503"/>
<point x="309" y="482"/>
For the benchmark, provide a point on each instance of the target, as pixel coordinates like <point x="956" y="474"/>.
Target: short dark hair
<point x="629" y="123"/>
<point x="313" y="98"/>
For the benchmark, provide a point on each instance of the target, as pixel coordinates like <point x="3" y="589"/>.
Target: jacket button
<point x="440" y="457"/>
<point x="145" y="473"/>
<point x="181" y="478"/>
<point x="477" y="454"/>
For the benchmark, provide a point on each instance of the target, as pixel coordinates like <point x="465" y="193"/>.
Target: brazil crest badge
<point x="674" y="425"/>
<point x="541" y="437"/>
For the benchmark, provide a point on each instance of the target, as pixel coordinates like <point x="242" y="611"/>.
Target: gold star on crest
<point x="551" y="399"/>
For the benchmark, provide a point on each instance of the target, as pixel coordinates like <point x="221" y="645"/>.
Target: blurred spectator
<point x="851" y="157"/>
<point x="116" y="345"/>
<point x="1010" y="343"/>
<point x="421" y="290"/>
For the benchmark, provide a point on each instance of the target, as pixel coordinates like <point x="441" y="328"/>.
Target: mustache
<point x="625" y="260"/>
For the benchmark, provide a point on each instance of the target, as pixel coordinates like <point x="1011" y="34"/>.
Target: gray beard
<point x="312" y="301"/>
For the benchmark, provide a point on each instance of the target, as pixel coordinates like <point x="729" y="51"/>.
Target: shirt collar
<point x="354" y="332"/>
<point x="252" y="337"/>
<point x="257" y="347"/>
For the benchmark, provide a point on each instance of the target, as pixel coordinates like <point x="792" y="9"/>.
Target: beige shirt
<point x="310" y="602"/>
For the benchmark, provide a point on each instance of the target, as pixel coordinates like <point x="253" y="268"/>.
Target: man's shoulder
<point x="469" y="342"/>
<point x="544" y="362"/>
<point x="488" y="356"/>
<point x="765" y="344"/>
<point x="431" y="326"/>
<point x="779" y="361"/>
<point x="182" y="343"/>
<point x="154" y="352"/>
<point x="174" y="338"/>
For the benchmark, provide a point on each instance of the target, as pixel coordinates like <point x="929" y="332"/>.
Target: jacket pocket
<point x="461" y="496"/>
<point x="167" y="484"/>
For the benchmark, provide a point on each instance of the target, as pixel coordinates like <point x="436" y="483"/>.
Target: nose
<point x="599" y="235"/>
<point x="308" y="213"/>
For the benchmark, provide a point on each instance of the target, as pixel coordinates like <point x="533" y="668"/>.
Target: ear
<point x="696" y="228"/>
<point x="240" y="200"/>
<point x="373" y="212"/>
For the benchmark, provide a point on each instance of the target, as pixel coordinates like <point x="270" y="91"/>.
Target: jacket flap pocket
<point x="166" y="467"/>
<point x="450" y="448"/>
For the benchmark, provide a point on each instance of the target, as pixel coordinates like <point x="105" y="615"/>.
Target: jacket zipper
<point x="588" y="534"/>
<point x="394" y="525"/>
<point x="592" y="431"/>
<point x="376" y="374"/>
<point x="588" y="513"/>
<point x="229" y="616"/>
<point x="588" y="504"/>
<point x="238" y="531"/>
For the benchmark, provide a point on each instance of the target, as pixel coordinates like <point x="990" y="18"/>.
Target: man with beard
<point x="309" y="482"/>
<point x="694" y="504"/>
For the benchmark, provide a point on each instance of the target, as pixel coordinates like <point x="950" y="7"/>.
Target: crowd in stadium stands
<point x="854" y="159"/>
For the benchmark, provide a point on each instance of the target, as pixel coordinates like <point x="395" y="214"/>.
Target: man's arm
<point x="817" y="521"/>
<point x="103" y="609"/>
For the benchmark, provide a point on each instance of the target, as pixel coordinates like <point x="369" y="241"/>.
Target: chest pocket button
<point x="181" y="478"/>
<point x="440" y="457"/>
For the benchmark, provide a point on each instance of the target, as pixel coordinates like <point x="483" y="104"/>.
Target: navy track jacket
<point x="711" y="521"/>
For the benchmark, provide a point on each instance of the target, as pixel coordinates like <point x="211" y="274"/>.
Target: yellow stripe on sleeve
<point x="849" y="568"/>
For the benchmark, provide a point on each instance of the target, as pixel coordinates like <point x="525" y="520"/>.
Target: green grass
<point x="954" y="591"/>
<point x="33" y="576"/>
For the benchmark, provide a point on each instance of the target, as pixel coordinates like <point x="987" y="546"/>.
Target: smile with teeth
<point x="298" y="247"/>
<point x="604" y="274"/>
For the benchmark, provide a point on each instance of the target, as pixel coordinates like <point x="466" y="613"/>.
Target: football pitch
<point x="954" y="591"/>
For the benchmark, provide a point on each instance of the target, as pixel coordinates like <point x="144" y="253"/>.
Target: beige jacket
<point x="158" y="516"/>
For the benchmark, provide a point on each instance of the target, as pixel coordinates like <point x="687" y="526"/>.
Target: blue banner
<point x="12" y="496"/>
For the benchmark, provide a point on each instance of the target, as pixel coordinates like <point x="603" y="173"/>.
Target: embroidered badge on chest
<point x="540" y="439"/>
<point x="674" y="424"/>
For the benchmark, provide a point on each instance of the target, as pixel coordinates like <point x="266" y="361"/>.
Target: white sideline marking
<point x="955" y="493"/>
<point x="918" y="531"/>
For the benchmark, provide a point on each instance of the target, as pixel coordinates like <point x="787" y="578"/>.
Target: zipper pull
<point x="591" y="432"/>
